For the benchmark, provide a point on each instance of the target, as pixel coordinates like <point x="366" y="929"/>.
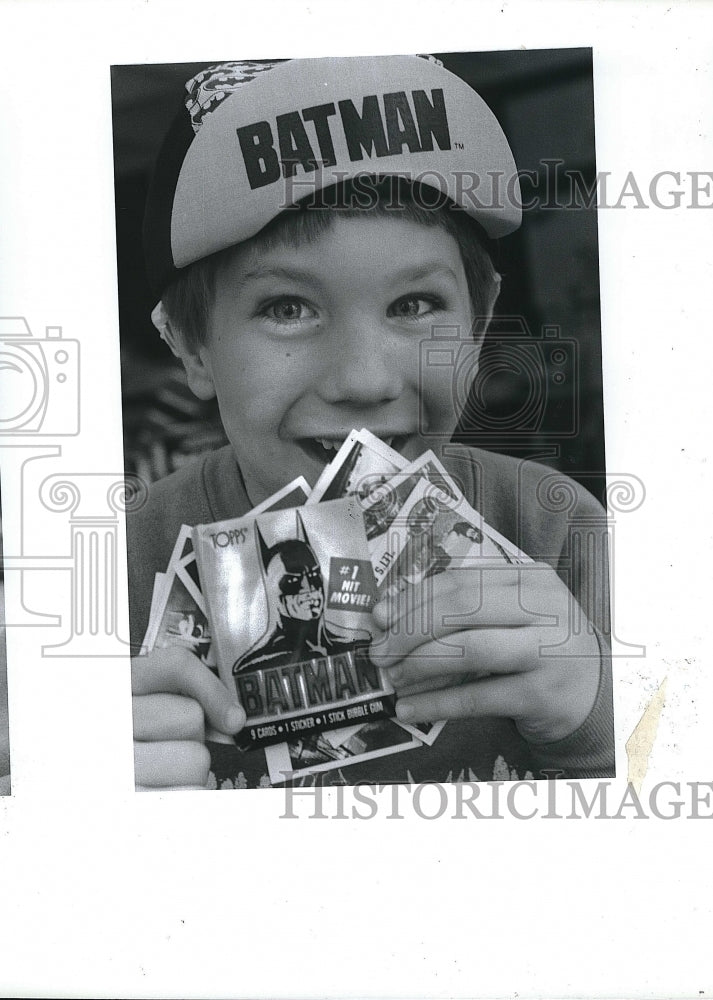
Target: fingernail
<point x="234" y="719"/>
<point x="404" y="711"/>
<point x="394" y="674"/>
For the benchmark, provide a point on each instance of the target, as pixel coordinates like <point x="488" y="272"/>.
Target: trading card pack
<point x="178" y="611"/>
<point x="297" y="661"/>
<point x="173" y="603"/>
<point x="290" y="595"/>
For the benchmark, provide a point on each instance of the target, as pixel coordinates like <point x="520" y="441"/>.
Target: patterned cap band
<point x="211" y="86"/>
<point x="259" y="136"/>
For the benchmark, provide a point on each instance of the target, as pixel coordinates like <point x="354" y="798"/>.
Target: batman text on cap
<point x="385" y="124"/>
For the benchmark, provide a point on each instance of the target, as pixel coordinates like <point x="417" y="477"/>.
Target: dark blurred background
<point x="538" y="393"/>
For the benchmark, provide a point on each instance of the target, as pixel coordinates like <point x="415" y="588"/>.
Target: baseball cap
<point x="255" y="138"/>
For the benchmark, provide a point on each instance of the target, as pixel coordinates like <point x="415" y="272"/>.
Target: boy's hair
<point x="188" y="300"/>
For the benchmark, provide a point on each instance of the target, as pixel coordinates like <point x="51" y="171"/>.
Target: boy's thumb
<point x="221" y="711"/>
<point x="177" y="671"/>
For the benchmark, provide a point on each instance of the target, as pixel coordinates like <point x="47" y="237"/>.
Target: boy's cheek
<point x="437" y="417"/>
<point x="447" y="369"/>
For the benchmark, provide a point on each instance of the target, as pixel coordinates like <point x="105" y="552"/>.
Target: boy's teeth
<point x="330" y="445"/>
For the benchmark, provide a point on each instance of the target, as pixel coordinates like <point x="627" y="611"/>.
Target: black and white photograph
<point x="354" y="447"/>
<point x="407" y="252"/>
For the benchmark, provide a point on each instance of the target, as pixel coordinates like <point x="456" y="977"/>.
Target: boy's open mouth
<point x="325" y="449"/>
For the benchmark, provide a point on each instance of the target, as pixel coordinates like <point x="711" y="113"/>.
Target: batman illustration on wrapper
<point x="290" y="595"/>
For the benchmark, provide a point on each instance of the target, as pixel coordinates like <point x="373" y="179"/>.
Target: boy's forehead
<point x="271" y="137"/>
<point x="385" y="249"/>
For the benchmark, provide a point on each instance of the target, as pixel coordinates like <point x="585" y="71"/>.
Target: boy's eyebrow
<point x="294" y="273"/>
<point x="423" y="271"/>
<point x="418" y="273"/>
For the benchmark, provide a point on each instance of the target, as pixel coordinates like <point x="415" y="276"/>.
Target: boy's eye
<point x="413" y="306"/>
<point x="288" y="310"/>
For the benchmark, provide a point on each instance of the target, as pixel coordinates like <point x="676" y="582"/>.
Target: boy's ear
<point x="193" y="359"/>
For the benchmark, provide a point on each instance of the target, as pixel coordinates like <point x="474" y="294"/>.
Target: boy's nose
<point x="361" y="366"/>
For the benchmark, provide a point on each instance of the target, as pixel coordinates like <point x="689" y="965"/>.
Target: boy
<point x="310" y="224"/>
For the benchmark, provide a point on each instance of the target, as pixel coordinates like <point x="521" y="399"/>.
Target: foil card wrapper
<point x="289" y="596"/>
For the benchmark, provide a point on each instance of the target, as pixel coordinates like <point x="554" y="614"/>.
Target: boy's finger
<point x="443" y="586"/>
<point x="500" y="697"/>
<point x="173" y="762"/>
<point x="544" y="708"/>
<point x="167" y="717"/>
<point x="176" y="671"/>
<point x="475" y="651"/>
<point x="435" y="683"/>
<point x="440" y="609"/>
<point x="395" y="652"/>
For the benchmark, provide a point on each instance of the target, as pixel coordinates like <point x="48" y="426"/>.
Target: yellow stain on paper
<point x="640" y="743"/>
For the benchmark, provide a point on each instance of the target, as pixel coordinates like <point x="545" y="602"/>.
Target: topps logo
<point x="383" y="127"/>
<point x="222" y="539"/>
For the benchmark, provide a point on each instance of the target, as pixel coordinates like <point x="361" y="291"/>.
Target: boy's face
<point x="309" y="342"/>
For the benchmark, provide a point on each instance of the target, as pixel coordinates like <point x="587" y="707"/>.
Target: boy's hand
<point x="478" y="642"/>
<point x="173" y="695"/>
